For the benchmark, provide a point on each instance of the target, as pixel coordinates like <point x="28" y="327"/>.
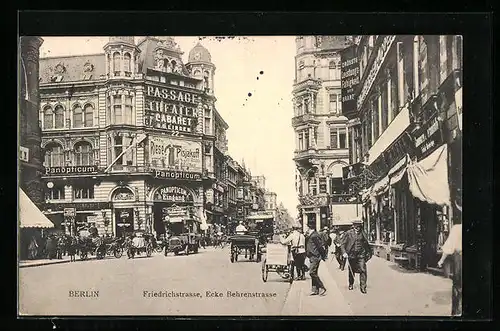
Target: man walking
<point x="338" y="250"/>
<point x="325" y="236"/>
<point x="315" y="251"/>
<point x="357" y="251"/>
<point x="298" y="243"/>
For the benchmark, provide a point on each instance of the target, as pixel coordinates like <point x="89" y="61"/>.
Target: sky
<point x="260" y="131"/>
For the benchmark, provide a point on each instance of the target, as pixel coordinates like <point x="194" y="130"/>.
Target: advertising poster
<point x="350" y="78"/>
<point x="167" y="153"/>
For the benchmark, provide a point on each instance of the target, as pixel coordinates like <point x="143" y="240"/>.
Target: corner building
<point x="321" y="136"/>
<point x="128" y="134"/>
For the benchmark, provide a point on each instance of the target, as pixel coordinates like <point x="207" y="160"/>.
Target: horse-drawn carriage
<point x="89" y="243"/>
<point x="259" y="228"/>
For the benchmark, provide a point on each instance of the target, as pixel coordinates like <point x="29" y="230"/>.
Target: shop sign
<point x="69" y="212"/>
<point x="78" y="206"/>
<point x="428" y="137"/>
<point x="171" y="109"/>
<point x="382" y="52"/>
<point x="177" y="211"/>
<point x="173" y="194"/>
<point x="177" y="175"/>
<point x="350" y="78"/>
<point x="72" y="170"/>
<point x="175" y="154"/>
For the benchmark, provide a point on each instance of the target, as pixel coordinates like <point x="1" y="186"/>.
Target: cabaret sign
<point x="173" y="194"/>
<point x="171" y="109"/>
<point x="71" y="170"/>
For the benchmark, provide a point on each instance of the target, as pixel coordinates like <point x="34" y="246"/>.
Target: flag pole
<point x="138" y="139"/>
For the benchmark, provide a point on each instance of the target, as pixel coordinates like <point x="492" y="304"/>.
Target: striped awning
<point x="29" y="214"/>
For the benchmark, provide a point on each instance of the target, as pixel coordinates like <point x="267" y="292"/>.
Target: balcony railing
<point x="307" y="83"/>
<point x="305" y="118"/>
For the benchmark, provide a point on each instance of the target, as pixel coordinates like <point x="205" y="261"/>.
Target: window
<point x="300" y="109"/>
<point x="445" y="57"/>
<point x="83" y="191"/>
<point x="55" y="193"/>
<point x="301" y="70"/>
<point x="126" y="63"/>
<point x="83" y="154"/>
<point x="128" y="110"/>
<point x="306" y="139"/>
<point x="407" y="70"/>
<point x="423" y="69"/>
<point x="118" y="149"/>
<point x="88" y="116"/>
<point x="207" y="126"/>
<point x="334" y="70"/>
<point x="334" y="103"/>
<point x="48" y="118"/>
<point x="120" y="144"/>
<point x="342" y="138"/>
<point x="54" y="156"/>
<point x="313" y="189"/>
<point x="117" y="110"/>
<point x="375" y="121"/>
<point x="394" y="106"/>
<point x="116" y="64"/>
<point x="333" y="138"/>
<point x="59" y="117"/>
<point x="77" y="116"/>
<point x="385" y="106"/>
<point x="306" y="106"/>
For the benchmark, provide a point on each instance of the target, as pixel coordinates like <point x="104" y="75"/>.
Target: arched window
<point x="197" y="73"/>
<point x="126" y="62"/>
<point x="54" y="155"/>
<point x="89" y="115"/>
<point x="77" y="116"/>
<point x="333" y="70"/>
<point x="48" y="118"/>
<point x="83" y="154"/>
<point x="301" y="70"/>
<point x="116" y="63"/>
<point x="59" y="117"/>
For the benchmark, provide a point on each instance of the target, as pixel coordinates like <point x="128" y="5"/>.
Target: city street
<point x="44" y="290"/>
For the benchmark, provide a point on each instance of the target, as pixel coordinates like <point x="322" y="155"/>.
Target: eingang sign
<point x="171" y="109"/>
<point x="173" y="194"/>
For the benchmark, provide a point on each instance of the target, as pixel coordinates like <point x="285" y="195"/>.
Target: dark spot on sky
<point x="261" y="72"/>
<point x="257" y="78"/>
<point x="249" y="94"/>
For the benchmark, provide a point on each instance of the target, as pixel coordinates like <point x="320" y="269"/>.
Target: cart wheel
<point x="176" y="252"/>
<point x="118" y="252"/>
<point x="159" y="249"/>
<point x="265" y="271"/>
<point x="83" y="255"/>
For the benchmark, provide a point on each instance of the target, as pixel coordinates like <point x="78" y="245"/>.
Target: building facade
<point x="322" y="139"/>
<point x="405" y="129"/>
<point x="130" y="133"/>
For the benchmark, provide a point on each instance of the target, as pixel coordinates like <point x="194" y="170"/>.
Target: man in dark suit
<point x="357" y="250"/>
<point x="315" y="251"/>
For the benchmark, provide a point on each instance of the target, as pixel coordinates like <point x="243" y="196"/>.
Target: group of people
<point x="52" y="246"/>
<point x="349" y="247"/>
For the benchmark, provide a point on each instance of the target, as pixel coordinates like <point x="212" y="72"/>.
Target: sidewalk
<point x="394" y="291"/>
<point x="299" y="302"/>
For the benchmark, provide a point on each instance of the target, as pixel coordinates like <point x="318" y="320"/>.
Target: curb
<point x="42" y="263"/>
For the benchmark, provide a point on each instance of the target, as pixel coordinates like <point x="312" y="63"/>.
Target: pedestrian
<point x="325" y="236"/>
<point x="338" y="250"/>
<point x="298" y="243"/>
<point x="51" y="247"/>
<point x="241" y="229"/>
<point x="315" y="251"/>
<point x="72" y="248"/>
<point x="357" y="251"/>
<point x="453" y="247"/>
<point x="333" y="237"/>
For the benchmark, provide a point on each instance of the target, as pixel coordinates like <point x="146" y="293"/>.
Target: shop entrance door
<point x="124" y="221"/>
<point x="159" y="213"/>
<point x="428" y="214"/>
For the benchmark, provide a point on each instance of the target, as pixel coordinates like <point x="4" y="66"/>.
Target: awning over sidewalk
<point x="344" y="214"/>
<point x="428" y="179"/>
<point x="29" y="214"/>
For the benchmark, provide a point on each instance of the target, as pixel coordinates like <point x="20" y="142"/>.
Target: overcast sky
<point x="260" y="129"/>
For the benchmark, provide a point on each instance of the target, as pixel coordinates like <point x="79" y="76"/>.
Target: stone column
<point x="390" y="111"/>
<point x="30" y="133"/>
<point x="379" y="111"/>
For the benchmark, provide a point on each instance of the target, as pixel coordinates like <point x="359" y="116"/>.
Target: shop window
<point x="334" y="138"/>
<point x="54" y="155"/>
<point x="55" y="193"/>
<point x="59" y="117"/>
<point x="48" y="118"/>
<point x="83" y="154"/>
<point x="83" y="191"/>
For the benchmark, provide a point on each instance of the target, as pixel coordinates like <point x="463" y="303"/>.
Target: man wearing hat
<point x="298" y="243"/>
<point x="325" y="236"/>
<point x="356" y="249"/>
<point x="315" y="251"/>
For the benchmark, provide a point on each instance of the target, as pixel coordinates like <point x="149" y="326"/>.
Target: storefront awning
<point x="397" y="172"/>
<point x="428" y="179"/>
<point x="344" y="214"/>
<point x="259" y="217"/>
<point x="29" y="214"/>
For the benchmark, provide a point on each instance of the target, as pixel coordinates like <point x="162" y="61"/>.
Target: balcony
<point x="308" y="83"/>
<point x="305" y="119"/>
<point x="321" y="153"/>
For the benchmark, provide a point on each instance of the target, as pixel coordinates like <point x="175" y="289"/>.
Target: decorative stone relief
<point x="88" y="67"/>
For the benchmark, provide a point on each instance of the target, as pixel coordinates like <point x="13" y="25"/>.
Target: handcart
<point x="278" y="259"/>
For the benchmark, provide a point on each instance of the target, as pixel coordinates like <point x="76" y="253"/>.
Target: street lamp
<point x="105" y="221"/>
